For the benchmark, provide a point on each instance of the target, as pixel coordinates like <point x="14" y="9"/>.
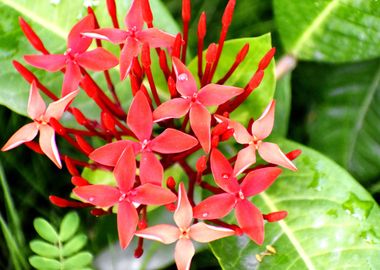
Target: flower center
<point x="185" y="233"/>
<point x="194" y="97"/>
<point x="255" y="142"/>
<point x="145" y="144"/>
<point x="70" y="56"/>
<point x="240" y="195"/>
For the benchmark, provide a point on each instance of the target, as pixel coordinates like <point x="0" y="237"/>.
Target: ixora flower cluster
<point x="139" y="145"/>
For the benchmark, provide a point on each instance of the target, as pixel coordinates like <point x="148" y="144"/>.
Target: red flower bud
<point x="147" y="13"/>
<point x="211" y="53"/>
<point x="294" y="154"/>
<point x="71" y="167"/>
<point x="172" y="87"/>
<point x="201" y="164"/>
<point x="79" y="116"/>
<point x="107" y="121"/>
<point x="214" y="141"/>
<point x="170" y="183"/>
<point x="79" y="181"/>
<point x="220" y="128"/>
<point x="84" y="145"/>
<point x="275" y="216"/>
<point x="226" y="135"/>
<point x="228" y="13"/>
<point x="265" y="61"/>
<point x="202" y="26"/>
<point x="32" y="36"/>
<point x="186" y="10"/>
<point x="57" y="126"/>
<point x="256" y="80"/>
<point x="34" y="146"/>
<point x="242" y="53"/>
<point x="145" y="56"/>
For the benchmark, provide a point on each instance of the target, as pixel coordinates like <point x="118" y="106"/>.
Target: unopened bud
<point x="228" y="13"/>
<point x="275" y="216"/>
<point x="79" y="116"/>
<point x="201" y="164"/>
<point x="71" y="167"/>
<point x="147" y="13"/>
<point x="226" y="135"/>
<point x="84" y="145"/>
<point x="294" y="154"/>
<point x="172" y="87"/>
<point x="170" y="183"/>
<point x="34" y="40"/>
<point x="211" y="53"/>
<point x="266" y="59"/>
<point x="256" y="80"/>
<point x="57" y="126"/>
<point x="107" y="121"/>
<point x="145" y="56"/>
<point x="220" y="128"/>
<point x="202" y="26"/>
<point x="79" y="181"/>
<point x="142" y="224"/>
<point x="186" y="10"/>
<point x="171" y="207"/>
<point x="242" y="53"/>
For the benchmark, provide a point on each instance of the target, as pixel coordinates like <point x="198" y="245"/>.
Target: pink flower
<point x="140" y="121"/>
<point x="195" y="102"/>
<point x="75" y="57"/>
<point x="133" y="37"/>
<point x="184" y="232"/>
<point x="260" y="130"/>
<point x="248" y="216"/>
<point x="125" y="196"/>
<point x="41" y="116"/>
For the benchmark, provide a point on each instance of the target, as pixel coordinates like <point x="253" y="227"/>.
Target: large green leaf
<point x="52" y="23"/>
<point x="333" y="223"/>
<point x="344" y="119"/>
<point x="283" y="97"/>
<point x="329" y="30"/>
<point x="260" y="98"/>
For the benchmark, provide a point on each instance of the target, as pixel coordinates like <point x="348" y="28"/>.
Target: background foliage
<point x="334" y="93"/>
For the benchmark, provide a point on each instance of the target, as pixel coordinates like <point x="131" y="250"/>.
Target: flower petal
<point x="140" y="118"/>
<point x="163" y="233"/>
<point x="241" y="134"/>
<point x="151" y="170"/>
<point x="98" y="60"/>
<point x="200" y="121"/>
<point x="156" y="38"/>
<point x="127" y="219"/>
<point x="183" y="253"/>
<point x="125" y="170"/>
<point x="149" y="194"/>
<point x="51" y="62"/>
<point x="98" y="195"/>
<point x="214" y="94"/>
<point x="172" y="141"/>
<point x="24" y="134"/>
<point x="223" y="172"/>
<point x="134" y="19"/>
<point x="174" y="108"/>
<point x="271" y="153"/>
<point x="245" y="158"/>
<point x="183" y="215"/>
<point x="57" y="108"/>
<point x="113" y="35"/>
<point x="76" y="41"/>
<point x="130" y="50"/>
<point x="71" y="79"/>
<point x="250" y="220"/>
<point x="263" y="126"/>
<point x="205" y="233"/>
<point x="215" y="207"/>
<point x="36" y="105"/>
<point x="110" y="153"/>
<point x="259" y="180"/>
<point x="186" y="84"/>
<point x="48" y="145"/>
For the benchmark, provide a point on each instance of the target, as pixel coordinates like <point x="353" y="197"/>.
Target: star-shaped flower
<point x="236" y="196"/>
<point x="184" y="232"/>
<point x="125" y="196"/>
<point x="195" y="102"/>
<point x="140" y="121"/>
<point x="75" y="57"/>
<point x="133" y="37"/>
<point x="41" y="116"/>
<point x="260" y="130"/>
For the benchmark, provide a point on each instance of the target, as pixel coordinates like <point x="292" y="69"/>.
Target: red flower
<point x="195" y="102"/>
<point x="184" y="232"/>
<point x="248" y="216"/>
<point x="125" y="196"/>
<point x="140" y="121"/>
<point x="75" y="57"/>
<point x="260" y="130"/>
<point x="133" y="37"/>
<point x="41" y="116"/>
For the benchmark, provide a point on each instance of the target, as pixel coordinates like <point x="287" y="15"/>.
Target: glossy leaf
<point x="45" y="230"/>
<point x="329" y="30"/>
<point x="347" y="112"/>
<point x="45" y="263"/>
<point x="44" y="249"/>
<point x="260" y="97"/>
<point x="332" y="221"/>
<point x="69" y="226"/>
<point x="74" y="245"/>
<point x="77" y="261"/>
<point x="283" y="97"/>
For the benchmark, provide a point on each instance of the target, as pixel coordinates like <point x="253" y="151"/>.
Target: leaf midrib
<point x="288" y="232"/>
<point x="362" y="113"/>
<point x="314" y="26"/>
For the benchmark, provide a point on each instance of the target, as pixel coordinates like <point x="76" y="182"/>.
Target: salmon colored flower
<point x="41" y="116"/>
<point x="75" y="57"/>
<point x="125" y="196"/>
<point x="260" y="130"/>
<point x="140" y="121"/>
<point x="195" y="102"/>
<point x="132" y="38"/>
<point x="236" y="196"/>
<point x="184" y="232"/>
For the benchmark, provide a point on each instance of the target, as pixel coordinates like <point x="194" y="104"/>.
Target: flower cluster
<point x="140" y="144"/>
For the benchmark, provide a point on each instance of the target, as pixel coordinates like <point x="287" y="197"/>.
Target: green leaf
<point x="77" y="261"/>
<point x="344" y="119"/>
<point x="44" y="263"/>
<point x="260" y="98"/>
<point x="99" y="177"/>
<point x="52" y="22"/>
<point x="44" y="249"/>
<point x="74" y="245"/>
<point x="45" y="230"/>
<point x="329" y="30"/>
<point x="69" y="226"/>
<point x="332" y="223"/>
<point x="283" y="97"/>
